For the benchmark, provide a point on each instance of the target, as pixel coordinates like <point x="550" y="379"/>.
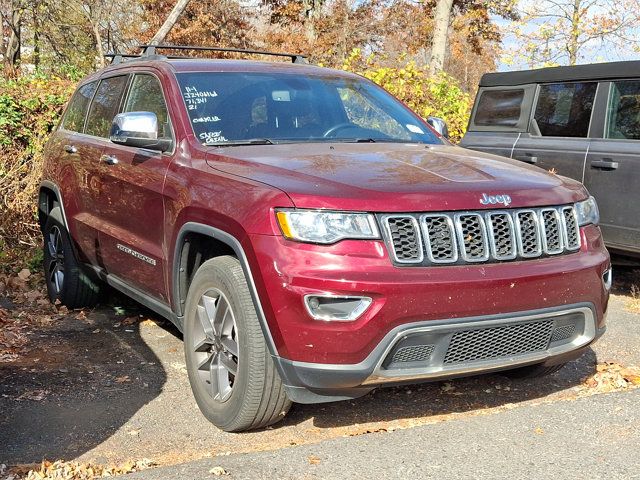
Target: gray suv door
<point x="612" y="173"/>
<point x="557" y="139"/>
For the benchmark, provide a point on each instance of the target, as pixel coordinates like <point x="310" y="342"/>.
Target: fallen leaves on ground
<point x="612" y="376"/>
<point x="313" y="460"/>
<point x="24" y="307"/>
<point x="61" y="470"/>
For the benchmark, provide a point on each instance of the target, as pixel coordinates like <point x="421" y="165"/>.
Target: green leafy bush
<point x="438" y="96"/>
<point x="29" y="109"/>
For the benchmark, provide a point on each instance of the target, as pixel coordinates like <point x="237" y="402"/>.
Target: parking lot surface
<point x="106" y="387"/>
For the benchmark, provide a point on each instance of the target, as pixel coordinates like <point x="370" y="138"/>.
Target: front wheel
<point x="232" y="375"/>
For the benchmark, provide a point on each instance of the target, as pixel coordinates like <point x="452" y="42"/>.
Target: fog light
<point x="607" y="279"/>
<point x="336" y="308"/>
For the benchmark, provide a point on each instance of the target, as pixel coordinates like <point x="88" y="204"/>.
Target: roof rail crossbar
<point x="148" y="50"/>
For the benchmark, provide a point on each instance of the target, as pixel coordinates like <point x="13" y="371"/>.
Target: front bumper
<point x="438" y="350"/>
<point x="324" y="361"/>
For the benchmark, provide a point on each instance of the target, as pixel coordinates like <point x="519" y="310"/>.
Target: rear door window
<point x="77" y="109"/>
<point x="564" y="109"/>
<point x="499" y="108"/>
<point x="623" y="113"/>
<point x="105" y="106"/>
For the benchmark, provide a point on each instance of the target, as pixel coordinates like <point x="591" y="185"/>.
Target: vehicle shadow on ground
<point x="81" y="378"/>
<point x="443" y="398"/>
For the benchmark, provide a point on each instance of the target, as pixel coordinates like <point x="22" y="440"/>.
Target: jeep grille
<point x="482" y="236"/>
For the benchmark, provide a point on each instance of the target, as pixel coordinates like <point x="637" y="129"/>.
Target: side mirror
<point x="439" y="125"/>
<point x="138" y="129"/>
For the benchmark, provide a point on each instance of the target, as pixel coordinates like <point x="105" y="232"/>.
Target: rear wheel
<point x="532" y="371"/>
<point x="67" y="281"/>
<point x="232" y="374"/>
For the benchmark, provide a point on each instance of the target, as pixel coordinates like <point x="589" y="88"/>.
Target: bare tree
<point x="556" y="32"/>
<point x="171" y="20"/>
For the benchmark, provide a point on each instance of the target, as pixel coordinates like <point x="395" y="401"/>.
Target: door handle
<point x="604" y="164"/>
<point x="527" y="158"/>
<point x="109" y="159"/>
<point x="70" y="149"/>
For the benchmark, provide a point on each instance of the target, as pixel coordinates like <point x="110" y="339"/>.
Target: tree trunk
<point x="308" y="7"/>
<point x="12" y="53"/>
<point x="97" y="36"/>
<point x="440" y="32"/>
<point x="574" y="37"/>
<point x="169" y="23"/>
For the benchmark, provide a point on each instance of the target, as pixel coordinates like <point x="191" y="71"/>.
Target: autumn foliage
<point x="30" y="107"/>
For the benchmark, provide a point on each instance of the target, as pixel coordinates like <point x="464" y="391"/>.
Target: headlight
<point x="587" y="212"/>
<point x="317" y="226"/>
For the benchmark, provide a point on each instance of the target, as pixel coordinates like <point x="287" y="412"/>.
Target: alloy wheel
<point x="215" y="344"/>
<point x="55" y="269"/>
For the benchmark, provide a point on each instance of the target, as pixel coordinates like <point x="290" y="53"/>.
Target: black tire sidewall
<point x="222" y="414"/>
<point x="55" y="220"/>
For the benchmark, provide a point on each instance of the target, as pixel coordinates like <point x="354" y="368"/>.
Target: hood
<point x="392" y="177"/>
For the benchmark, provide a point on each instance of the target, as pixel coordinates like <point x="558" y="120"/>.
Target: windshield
<point x="256" y="108"/>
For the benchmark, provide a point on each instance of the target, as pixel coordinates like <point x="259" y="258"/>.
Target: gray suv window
<point x="564" y="109"/>
<point x="499" y="108"/>
<point x="77" y="110"/>
<point x="623" y="113"/>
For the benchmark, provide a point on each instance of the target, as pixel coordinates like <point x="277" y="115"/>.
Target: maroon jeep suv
<point x="311" y="236"/>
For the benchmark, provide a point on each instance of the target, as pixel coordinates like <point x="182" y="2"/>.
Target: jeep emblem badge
<point x="494" y="199"/>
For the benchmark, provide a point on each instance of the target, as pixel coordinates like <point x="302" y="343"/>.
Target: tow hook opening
<point x="607" y="279"/>
<point x="336" y="308"/>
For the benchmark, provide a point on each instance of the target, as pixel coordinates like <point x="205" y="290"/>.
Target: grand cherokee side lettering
<point x="138" y="255"/>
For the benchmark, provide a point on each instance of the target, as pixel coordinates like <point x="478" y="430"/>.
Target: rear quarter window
<point x="623" y="113"/>
<point x="499" y="108"/>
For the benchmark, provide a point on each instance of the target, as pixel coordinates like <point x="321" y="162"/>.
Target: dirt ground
<point x="109" y="385"/>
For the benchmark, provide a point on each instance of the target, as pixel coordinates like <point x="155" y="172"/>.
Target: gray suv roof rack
<point x="149" y="52"/>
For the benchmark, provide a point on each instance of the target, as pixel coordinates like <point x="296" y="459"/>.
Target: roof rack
<point x="150" y="52"/>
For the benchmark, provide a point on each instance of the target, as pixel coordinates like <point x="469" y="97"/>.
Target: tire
<point x="532" y="371"/>
<point x="66" y="279"/>
<point x="232" y="375"/>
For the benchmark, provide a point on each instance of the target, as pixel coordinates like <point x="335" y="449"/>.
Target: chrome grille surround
<point x="403" y="231"/>
<point x="502" y="235"/>
<point x="472" y="237"/>
<point x="570" y="228"/>
<point x="446" y="238"/>
<point x="551" y="230"/>
<point x="440" y="238"/>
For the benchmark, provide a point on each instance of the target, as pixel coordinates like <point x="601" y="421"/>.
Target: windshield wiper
<point x="237" y="143"/>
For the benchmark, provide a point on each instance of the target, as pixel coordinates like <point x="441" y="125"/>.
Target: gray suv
<point x="581" y="122"/>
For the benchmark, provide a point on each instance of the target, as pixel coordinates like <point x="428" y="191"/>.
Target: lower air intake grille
<point x="562" y="333"/>
<point x="414" y="353"/>
<point x="497" y="342"/>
